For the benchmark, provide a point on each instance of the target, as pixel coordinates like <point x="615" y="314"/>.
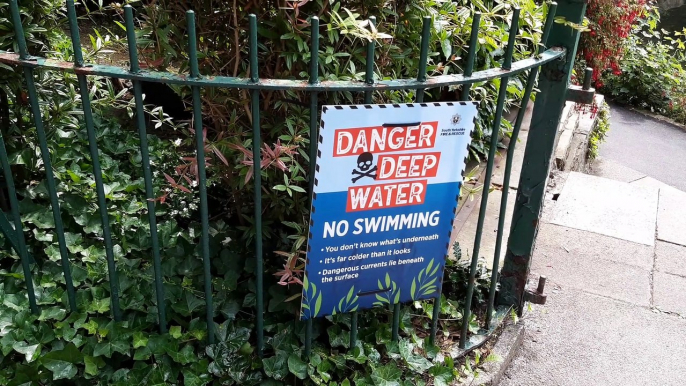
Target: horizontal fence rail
<point x="518" y="67"/>
<point x="255" y="84"/>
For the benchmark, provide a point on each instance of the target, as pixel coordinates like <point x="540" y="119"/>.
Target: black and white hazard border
<point x="383" y="107"/>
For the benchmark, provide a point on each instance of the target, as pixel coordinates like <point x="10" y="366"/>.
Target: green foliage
<point x="456" y="280"/>
<point x="87" y="347"/>
<point x="652" y="73"/>
<point x="284" y="53"/>
<point x="599" y="132"/>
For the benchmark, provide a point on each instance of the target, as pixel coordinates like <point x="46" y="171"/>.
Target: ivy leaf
<point x="388" y="375"/>
<point x="108" y="348"/>
<point x="74" y="242"/>
<point x="418" y="363"/>
<point x="61" y="370"/>
<point x="185" y="356"/>
<point x="91" y="326"/>
<point x="190" y="378"/>
<point x="93" y="364"/>
<point x="142" y="354"/>
<point x="52" y="313"/>
<point x="190" y="304"/>
<point x="297" y="367"/>
<point x="103" y="348"/>
<point x="442" y="375"/>
<point x="31" y="352"/>
<point x="405" y="348"/>
<point x="230" y="309"/>
<point x="175" y="332"/>
<point x="277" y="366"/>
<point x="139" y="340"/>
<point x="338" y="337"/>
<point x="53" y="252"/>
<point x="100" y="306"/>
<point x="62" y="363"/>
<point x="41" y="217"/>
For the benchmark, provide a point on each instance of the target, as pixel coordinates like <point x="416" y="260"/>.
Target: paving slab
<point x="670" y="293"/>
<point x="670" y="258"/>
<point x="650" y="182"/>
<point x="488" y="238"/>
<point x="580" y="339"/>
<point x="577" y="244"/>
<point x="608" y="168"/>
<point x="607" y="207"/>
<point x="594" y="263"/>
<point x="671" y="216"/>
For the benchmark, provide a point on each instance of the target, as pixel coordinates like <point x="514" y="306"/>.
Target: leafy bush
<point x="599" y="132"/>
<point x="652" y="73"/>
<point x="87" y="347"/>
<point x="284" y="36"/>
<point x="609" y="26"/>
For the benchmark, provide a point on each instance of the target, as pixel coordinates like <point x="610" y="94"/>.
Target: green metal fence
<point x="555" y="58"/>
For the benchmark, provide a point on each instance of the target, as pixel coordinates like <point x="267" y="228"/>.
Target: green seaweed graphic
<point x="347" y="303"/>
<point x="391" y="295"/>
<point x="426" y="283"/>
<point x="310" y="298"/>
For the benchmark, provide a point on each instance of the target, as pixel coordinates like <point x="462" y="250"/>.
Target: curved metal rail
<point x="518" y="67"/>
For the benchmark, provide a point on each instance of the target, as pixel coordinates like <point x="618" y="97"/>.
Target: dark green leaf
<point x="276" y="367"/>
<point x="297" y="367"/>
<point x="388" y="375"/>
<point x="31" y="352"/>
<point x="62" y="363"/>
<point x="139" y="339"/>
<point x="185" y="356"/>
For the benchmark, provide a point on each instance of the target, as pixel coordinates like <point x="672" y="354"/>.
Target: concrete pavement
<point x="651" y="147"/>
<point x="616" y="301"/>
<point x="613" y="247"/>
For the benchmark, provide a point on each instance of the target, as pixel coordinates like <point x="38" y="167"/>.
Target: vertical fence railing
<point x="495" y="132"/>
<point x="254" y="85"/>
<point x="9" y="179"/>
<point x="202" y="177"/>
<point x="530" y="82"/>
<point x="257" y="176"/>
<point x="147" y="173"/>
<point x="45" y="156"/>
<point x="314" y="136"/>
<point x="552" y="85"/>
<point x="368" y="79"/>
<point x="95" y="158"/>
<point x="471" y="56"/>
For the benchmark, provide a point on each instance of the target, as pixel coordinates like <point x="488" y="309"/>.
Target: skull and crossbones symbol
<point x="364" y="163"/>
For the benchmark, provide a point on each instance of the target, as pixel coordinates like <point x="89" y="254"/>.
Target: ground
<point x="613" y="247"/>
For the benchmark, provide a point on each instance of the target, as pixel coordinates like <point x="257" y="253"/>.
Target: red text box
<point x="404" y="166"/>
<point x="393" y="195"/>
<point x="384" y="139"/>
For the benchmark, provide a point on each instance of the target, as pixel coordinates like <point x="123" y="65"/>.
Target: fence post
<point x="547" y="112"/>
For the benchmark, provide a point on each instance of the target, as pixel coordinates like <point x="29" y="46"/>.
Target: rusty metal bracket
<point x="537" y="296"/>
<point x="582" y="94"/>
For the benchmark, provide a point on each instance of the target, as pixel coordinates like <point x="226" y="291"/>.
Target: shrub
<point x="652" y="73"/>
<point x="285" y="53"/>
<point x="599" y="131"/>
<point x="87" y="347"/>
<point x="610" y="24"/>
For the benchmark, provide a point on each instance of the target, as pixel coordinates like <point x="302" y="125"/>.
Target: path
<point x="613" y="247"/>
<point x="653" y="148"/>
